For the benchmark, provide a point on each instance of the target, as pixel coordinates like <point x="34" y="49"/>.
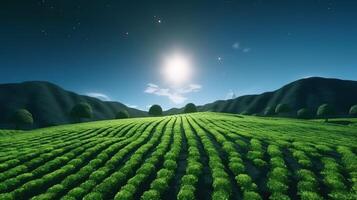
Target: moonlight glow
<point x="177" y="69"/>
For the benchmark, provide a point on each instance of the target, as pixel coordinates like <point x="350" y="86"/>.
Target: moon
<point x="177" y="69"/>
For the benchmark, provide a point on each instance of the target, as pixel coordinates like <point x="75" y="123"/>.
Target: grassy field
<point x="195" y="156"/>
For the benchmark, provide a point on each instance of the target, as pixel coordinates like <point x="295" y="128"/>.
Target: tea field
<point x="192" y="156"/>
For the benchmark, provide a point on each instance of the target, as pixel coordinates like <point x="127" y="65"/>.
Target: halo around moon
<point x="177" y="69"/>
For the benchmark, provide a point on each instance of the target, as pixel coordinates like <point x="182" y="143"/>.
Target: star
<point x="159" y="21"/>
<point x="219" y="58"/>
<point x="44" y="32"/>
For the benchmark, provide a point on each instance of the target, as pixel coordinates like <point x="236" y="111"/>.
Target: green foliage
<point x="95" y="160"/>
<point x="81" y="110"/>
<point x="22" y="117"/>
<point x="122" y="114"/>
<point x="303" y="113"/>
<point x="353" y="111"/>
<point x="190" y="108"/>
<point x="150" y="195"/>
<point x="155" y="110"/>
<point x="282" y="108"/>
<point x="325" y="111"/>
<point x="269" y="111"/>
<point x="246" y="112"/>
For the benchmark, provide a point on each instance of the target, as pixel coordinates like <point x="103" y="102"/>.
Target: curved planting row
<point x="227" y="157"/>
<point x="27" y="162"/>
<point x="235" y="162"/>
<point x="221" y="184"/>
<point x="166" y="173"/>
<point x="83" y="173"/>
<point x="135" y="183"/>
<point x="109" y="166"/>
<point x="111" y="182"/>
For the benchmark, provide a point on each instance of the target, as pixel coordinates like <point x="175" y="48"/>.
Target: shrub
<point x="251" y="195"/>
<point x="269" y="111"/>
<point x="221" y="184"/>
<point x="236" y="167"/>
<point x="150" y="195"/>
<point x="303" y="113"/>
<point x="307" y="195"/>
<point x="259" y="162"/>
<point x="276" y="186"/>
<point x="22" y="117"/>
<point x="190" y="108"/>
<point x="220" y="195"/>
<point x="279" y="196"/>
<point x="155" y="110"/>
<point x="353" y="111"/>
<point x="187" y="192"/>
<point x="170" y="164"/>
<point x="325" y="111"/>
<point x="282" y="108"/>
<point x="81" y="110"/>
<point x="246" y="112"/>
<point x="159" y="184"/>
<point x="122" y="114"/>
<point x="189" y="179"/>
<point x="244" y="181"/>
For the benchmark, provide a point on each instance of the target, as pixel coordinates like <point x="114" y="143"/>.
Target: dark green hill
<point x="51" y="105"/>
<point x="309" y="93"/>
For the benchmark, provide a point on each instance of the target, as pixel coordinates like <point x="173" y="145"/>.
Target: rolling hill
<point x="50" y="104"/>
<point x="309" y="93"/>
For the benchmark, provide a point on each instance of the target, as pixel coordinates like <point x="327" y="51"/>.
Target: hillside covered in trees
<point x="307" y="93"/>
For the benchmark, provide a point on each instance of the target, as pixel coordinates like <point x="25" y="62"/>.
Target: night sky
<point x="115" y="48"/>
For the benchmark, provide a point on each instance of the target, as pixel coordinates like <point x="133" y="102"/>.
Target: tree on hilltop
<point x="155" y="110"/>
<point x="81" y="110"/>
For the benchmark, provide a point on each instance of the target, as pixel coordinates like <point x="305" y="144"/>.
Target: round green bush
<point x="190" y="108"/>
<point x="81" y="110"/>
<point x="282" y="108"/>
<point x="325" y="111"/>
<point x="151" y="195"/>
<point x="22" y="117"/>
<point x="353" y="111"/>
<point x="269" y="111"/>
<point x="155" y="110"/>
<point x="122" y="114"/>
<point x="303" y="113"/>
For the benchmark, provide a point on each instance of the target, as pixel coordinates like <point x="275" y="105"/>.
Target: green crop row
<point x="96" y="177"/>
<point x="256" y="153"/>
<point x="41" y="159"/>
<point x="221" y="184"/>
<point x="114" y="180"/>
<point x="166" y="173"/>
<point x="230" y="131"/>
<point x="19" y="157"/>
<point x="308" y="185"/>
<point x="278" y="175"/>
<point x="194" y="167"/>
<point x="349" y="160"/>
<point x="47" y="173"/>
<point x="22" y="178"/>
<point x="235" y="162"/>
<point x="302" y="158"/>
<point x="334" y="179"/>
<point x="74" y="179"/>
<point x="148" y="167"/>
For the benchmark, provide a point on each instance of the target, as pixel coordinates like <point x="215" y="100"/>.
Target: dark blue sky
<point x="116" y="47"/>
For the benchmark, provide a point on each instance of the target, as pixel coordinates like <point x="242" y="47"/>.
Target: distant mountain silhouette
<point x="309" y="93"/>
<point x="51" y="105"/>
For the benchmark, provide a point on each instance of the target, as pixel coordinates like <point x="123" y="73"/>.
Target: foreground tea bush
<point x="185" y="157"/>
